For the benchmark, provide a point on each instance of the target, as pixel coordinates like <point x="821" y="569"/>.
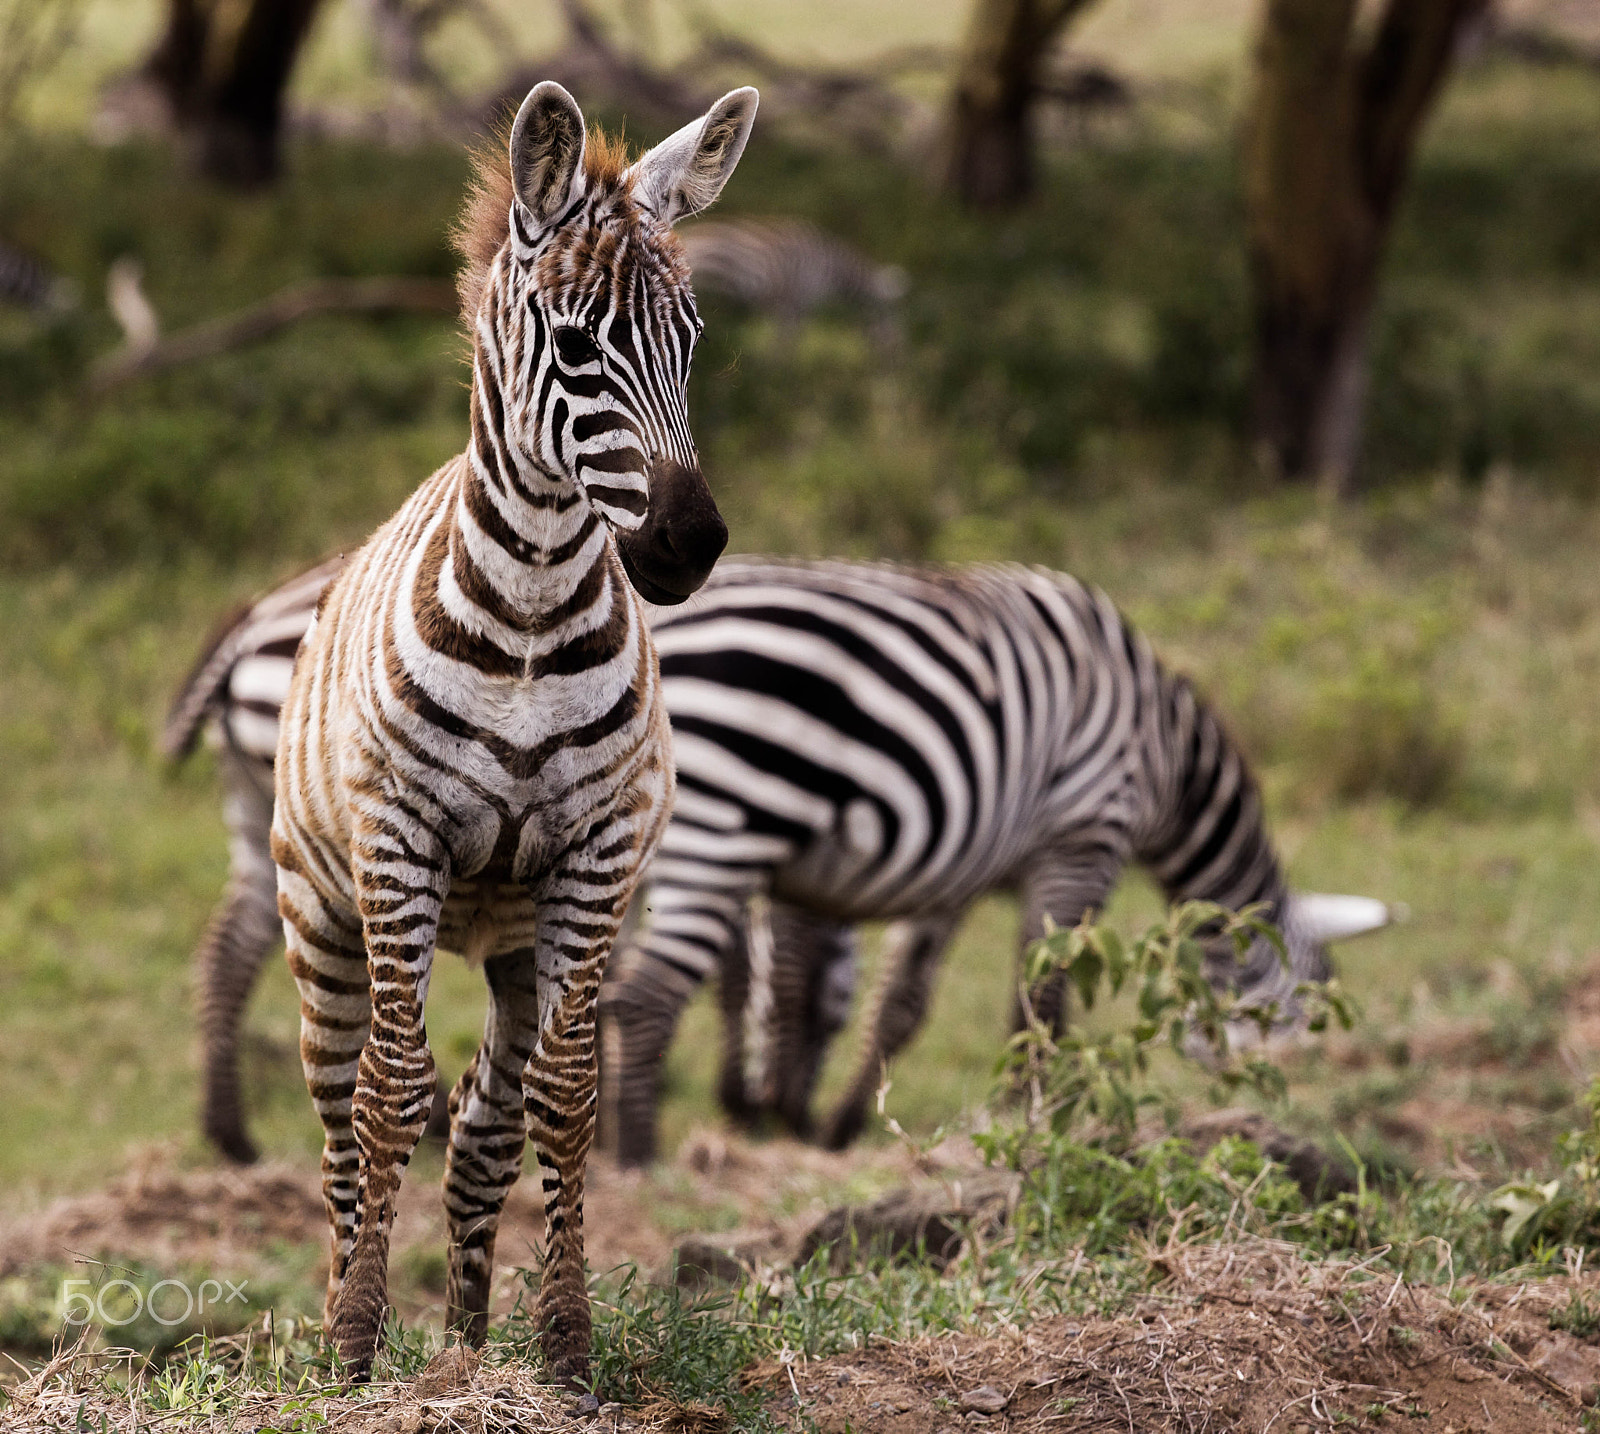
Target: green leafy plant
<point x="1080" y="1075"/>
<point x="1542" y="1216"/>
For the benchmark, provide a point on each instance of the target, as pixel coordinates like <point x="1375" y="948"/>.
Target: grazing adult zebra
<point x="787" y="267"/>
<point x="474" y="751"/>
<point x="787" y="987"/>
<point x="24" y="280"/>
<point x="865" y="741"/>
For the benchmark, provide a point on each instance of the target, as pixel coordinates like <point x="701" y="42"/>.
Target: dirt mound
<point x="174" y="1218"/>
<point x="229" y="1220"/>
<point x="1247" y="1337"/>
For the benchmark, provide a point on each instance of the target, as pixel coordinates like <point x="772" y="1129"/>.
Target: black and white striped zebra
<point x="788" y="268"/>
<point x="474" y="753"/>
<point x="816" y="706"/>
<point x="867" y="742"/>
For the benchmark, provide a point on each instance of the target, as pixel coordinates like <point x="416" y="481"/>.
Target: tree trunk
<point x="1333" y="123"/>
<point x="989" y="126"/>
<point x="223" y="66"/>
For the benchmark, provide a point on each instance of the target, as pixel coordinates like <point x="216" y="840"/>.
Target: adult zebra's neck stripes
<point x="818" y="709"/>
<point x="474" y="752"/>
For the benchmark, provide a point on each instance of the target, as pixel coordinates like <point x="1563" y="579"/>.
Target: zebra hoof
<point x="566" y="1352"/>
<point x="356" y="1331"/>
<point x="842" y="1127"/>
<point x="232" y="1143"/>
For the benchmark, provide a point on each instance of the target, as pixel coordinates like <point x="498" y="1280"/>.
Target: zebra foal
<point x="474" y="753"/>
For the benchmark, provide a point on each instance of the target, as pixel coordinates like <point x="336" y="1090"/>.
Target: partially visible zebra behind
<point x="788" y="985"/>
<point x="788" y="268"/>
<point x="25" y="281"/>
<point x="474" y="752"/>
<point x="862" y="741"/>
<point x="238" y="687"/>
<point x="907" y="671"/>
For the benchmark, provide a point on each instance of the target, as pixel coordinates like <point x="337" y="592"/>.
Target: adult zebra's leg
<point x="785" y="991"/>
<point x="813" y="982"/>
<point x="488" y="1132"/>
<point x="734" y="1094"/>
<point x="243" y="928"/>
<point x="912" y="951"/>
<point x="581" y="910"/>
<point x="687" y="937"/>
<point x="1063" y="887"/>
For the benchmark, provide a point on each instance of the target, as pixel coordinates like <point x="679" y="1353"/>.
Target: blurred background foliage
<point x="1068" y="382"/>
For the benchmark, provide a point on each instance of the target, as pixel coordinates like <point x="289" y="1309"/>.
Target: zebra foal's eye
<point x="575" y="346"/>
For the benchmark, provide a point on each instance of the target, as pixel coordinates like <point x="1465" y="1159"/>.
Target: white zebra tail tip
<point x="1323" y="918"/>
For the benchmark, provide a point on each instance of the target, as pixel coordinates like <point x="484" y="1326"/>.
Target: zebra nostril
<point x="697" y="543"/>
<point x="687" y="531"/>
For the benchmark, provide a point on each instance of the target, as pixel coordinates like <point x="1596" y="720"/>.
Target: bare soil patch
<point x="236" y="1220"/>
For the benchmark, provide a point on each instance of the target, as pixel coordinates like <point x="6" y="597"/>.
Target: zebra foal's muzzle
<point x="672" y="552"/>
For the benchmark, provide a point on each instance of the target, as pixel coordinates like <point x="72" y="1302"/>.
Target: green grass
<point x="1412" y="675"/>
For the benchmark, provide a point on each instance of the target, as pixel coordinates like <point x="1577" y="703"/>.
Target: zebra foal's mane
<point x="484" y="223"/>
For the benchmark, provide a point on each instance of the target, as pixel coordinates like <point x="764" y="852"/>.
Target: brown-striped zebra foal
<point x="474" y="751"/>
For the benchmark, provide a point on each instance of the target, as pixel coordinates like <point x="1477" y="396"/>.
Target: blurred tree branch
<point x="1334" y="117"/>
<point x="145" y="352"/>
<point x="223" y="67"/>
<point x="402" y="29"/>
<point x="988" y="159"/>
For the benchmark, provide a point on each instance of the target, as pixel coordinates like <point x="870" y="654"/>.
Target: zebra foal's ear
<point x="685" y="172"/>
<point x="547" y="152"/>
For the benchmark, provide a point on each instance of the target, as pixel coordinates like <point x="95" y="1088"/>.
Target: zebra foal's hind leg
<point x="488" y="1135"/>
<point x="243" y="928"/>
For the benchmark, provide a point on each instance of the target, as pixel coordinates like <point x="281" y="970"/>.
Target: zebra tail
<point x="202" y="689"/>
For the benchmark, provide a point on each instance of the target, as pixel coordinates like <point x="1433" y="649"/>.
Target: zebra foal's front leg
<point x="488" y="1133"/>
<point x="581" y="910"/>
<point x="329" y="964"/>
<point x="400" y="883"/>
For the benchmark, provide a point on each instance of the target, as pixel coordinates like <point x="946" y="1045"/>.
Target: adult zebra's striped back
<point x="474" y="752"/>
<point x="863" y="741"/>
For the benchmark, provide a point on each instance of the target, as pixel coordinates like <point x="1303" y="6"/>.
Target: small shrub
<point x="1578" y="1317"/>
